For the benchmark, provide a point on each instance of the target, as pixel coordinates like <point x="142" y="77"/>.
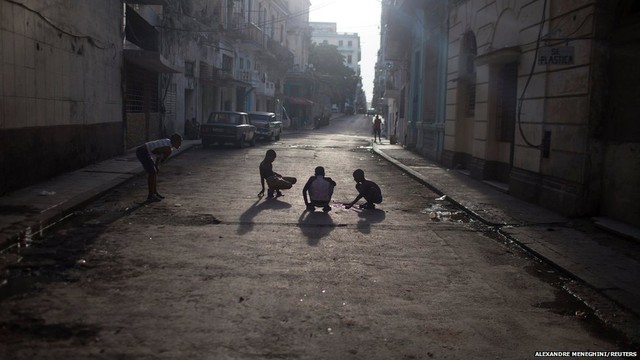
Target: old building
<point x="83" y="82"/>
<point x="60" y="95"/>
<point x="348" y="44"/>
<point x="411" y="68"/>
<point x="539" y="96"/>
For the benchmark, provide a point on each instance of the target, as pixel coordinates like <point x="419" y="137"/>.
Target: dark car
<point x="267" y="125"/>
<point x="228" y="127"/>
<point x="348" y="110"/>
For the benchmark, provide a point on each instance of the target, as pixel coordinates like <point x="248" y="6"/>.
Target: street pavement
<point x="608" y="265"/>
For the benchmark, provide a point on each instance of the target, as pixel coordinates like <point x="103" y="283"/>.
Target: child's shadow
<point x="246" y="219"/>
<point x="315" y="225"/>
<point x="368" y="217"/>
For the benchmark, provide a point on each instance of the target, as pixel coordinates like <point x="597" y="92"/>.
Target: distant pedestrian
<point x="275" y="181"/>
<point x="367" y="189"/>
<point x="377" y="128"/>
<point x="160" y="149"/>
<point x="320" y="190"/>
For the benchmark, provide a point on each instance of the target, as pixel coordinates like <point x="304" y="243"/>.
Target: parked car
<point x="267" y="125"/>
<point x="348" y="110"/>
<point x="371" y="111"/>
<point x="228" y="127"/>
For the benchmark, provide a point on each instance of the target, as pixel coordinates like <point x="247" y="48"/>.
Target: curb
<point x="35" y="227"/>
<point x="628" y="333"/>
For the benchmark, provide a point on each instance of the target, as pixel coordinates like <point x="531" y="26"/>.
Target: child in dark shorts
<point x="275" y="181"/>
<point x="161" y="149"/>
<point x="367" y="189"/>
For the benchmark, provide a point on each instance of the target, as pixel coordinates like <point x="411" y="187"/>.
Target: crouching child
<point x="320" y="190"/>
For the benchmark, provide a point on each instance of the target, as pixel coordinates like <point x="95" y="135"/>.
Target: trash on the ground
<point x="46" y="193"/>
<point x="581" y="314"/>
<point x="444" y="212"/>
<point x="442" y="198"/>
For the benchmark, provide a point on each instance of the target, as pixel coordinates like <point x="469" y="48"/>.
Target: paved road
<point x="215" y="272"/>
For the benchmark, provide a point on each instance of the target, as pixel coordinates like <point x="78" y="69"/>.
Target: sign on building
<point x="560" y="55"/>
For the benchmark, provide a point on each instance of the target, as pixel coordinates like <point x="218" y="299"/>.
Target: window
<point x="350" y="43"/>
<point x="349" y="59"/>
<point x="188" y="68"/>
<point x="227" y="63"/>
<point x="341" y="43"/>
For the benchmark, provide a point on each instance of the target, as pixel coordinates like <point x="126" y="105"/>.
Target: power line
<point x="90" y="39"/>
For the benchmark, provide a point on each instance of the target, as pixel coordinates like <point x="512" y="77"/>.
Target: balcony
<point x="216" y="76"/>
<point x="262" y="86"/>
<point x="267" y="88"/>
<point x="282" y="54"/>
<point x="250" y="35"/>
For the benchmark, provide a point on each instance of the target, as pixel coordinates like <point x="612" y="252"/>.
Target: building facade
<point x="348" y="44"/>
<point x="538" y="96"/>
<point x="86" y="81"/>
<point x="60" y="95"/>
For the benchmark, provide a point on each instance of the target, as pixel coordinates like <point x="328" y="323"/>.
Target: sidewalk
<point x="27" y="212"/>
<point x="605" y="262"/>
<point x="608" y="264"/>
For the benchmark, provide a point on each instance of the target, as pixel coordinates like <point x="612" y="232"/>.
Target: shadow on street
<point x="315" y="225"/>
<point x="246" y="219"/>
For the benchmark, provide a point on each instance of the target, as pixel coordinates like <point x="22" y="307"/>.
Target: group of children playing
<point x="318" y="190"/>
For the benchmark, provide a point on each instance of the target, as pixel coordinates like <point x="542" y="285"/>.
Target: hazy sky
<point x="355" y="16"/>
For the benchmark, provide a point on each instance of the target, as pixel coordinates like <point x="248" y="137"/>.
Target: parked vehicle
<point x="371" y="111"/>
<point x="348" y="110"/>
<point x="267" y="125"/>
<point x="228" y="127"/>
<point x="321" y="120"/>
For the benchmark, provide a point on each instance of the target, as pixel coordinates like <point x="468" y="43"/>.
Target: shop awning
<point x="150" y="60"/>
<point x="298" y="100"/>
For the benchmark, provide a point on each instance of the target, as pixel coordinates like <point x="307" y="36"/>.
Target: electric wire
<point x="247" y="26"/>
<point x="526" y="85"/>
<point x="90" y="39"/>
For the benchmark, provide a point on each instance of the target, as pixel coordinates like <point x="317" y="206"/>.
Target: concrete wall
<point x="60" y="95"/>
<point x="555" y="101"/>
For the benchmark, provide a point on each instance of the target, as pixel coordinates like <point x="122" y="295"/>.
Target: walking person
<point x="377" y="128"/>
<point x="367" y="189"/>
<point x="275" y="181"/>
<point x="320" y="190"/>
<point x="160" y="149"/>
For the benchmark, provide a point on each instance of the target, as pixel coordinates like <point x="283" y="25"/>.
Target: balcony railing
<point x="213" y="74"/>
<point x="248" y="32"/>
<point x="267" y="88"/>
<point x="281" y="53"/>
